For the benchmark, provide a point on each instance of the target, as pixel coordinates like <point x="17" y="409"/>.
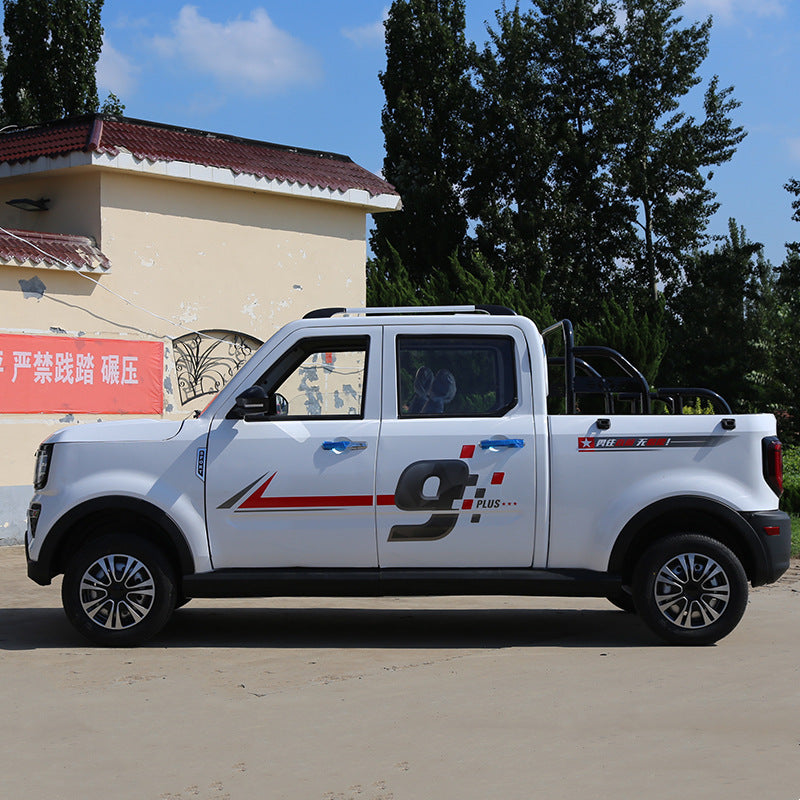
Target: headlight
<point x="43" y="456"/>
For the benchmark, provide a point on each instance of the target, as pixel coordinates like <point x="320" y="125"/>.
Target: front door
<point x="456" y="482"/>
<point x="297" y="489"/>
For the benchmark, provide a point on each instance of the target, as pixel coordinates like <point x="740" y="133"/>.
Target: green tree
<point x="112" y="105"/>
<point x="3" y="120"/>
<point x="639" y="336"/>
<point x="425" y="122"/>
<point x="665" y="157"/>
<point x="53" y="47"/>
<point x="786" y="323"/>
<point x="507" y="189"/>
<point x="793" y="187"/>
<point x="579" y="52"/>
<point x="722" y="335"/>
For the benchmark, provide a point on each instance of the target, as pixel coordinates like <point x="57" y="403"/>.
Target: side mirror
<point x="254" y="404"/>
<point x="251" y="403"/>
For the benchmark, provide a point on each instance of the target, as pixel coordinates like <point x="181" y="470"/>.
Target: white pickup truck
<point x="372" y="452"/>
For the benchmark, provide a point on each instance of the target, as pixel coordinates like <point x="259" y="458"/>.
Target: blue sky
<point x="305" y="73"/>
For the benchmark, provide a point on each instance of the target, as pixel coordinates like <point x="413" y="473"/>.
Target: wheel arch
<point x="687" y="514"/>
<point x="85" y="522"/>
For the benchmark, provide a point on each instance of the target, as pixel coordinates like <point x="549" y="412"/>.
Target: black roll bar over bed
<point x="581" y="377"/>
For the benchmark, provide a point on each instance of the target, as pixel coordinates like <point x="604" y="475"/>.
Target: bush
<point x="790" y="501"/>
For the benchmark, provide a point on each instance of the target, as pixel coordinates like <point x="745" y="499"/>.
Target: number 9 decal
<point x="453" y="477"/>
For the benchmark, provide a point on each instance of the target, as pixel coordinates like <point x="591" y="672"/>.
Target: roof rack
<point x="388" y="311"/>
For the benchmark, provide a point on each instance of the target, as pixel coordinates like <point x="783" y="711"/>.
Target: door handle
<point x="486" y="444"/>
<point x="344" y="444"/>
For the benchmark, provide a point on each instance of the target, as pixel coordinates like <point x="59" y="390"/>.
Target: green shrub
<point x="699" y="407"/>
<point x="790" y="501"/>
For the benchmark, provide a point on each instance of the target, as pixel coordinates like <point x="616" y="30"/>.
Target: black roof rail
<point x="493" y="310"/>
<point x="323" y="313"/>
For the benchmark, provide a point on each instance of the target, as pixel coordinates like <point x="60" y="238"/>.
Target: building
<point x="141" y="263"/>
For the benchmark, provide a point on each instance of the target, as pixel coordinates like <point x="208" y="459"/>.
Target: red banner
<point x="54" y="374"/>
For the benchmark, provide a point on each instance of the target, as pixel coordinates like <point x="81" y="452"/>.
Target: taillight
<point x="772" y="451"/>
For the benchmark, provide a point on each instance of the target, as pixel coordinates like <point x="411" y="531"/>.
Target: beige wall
<point x="229" y="258"/>
<point x="74" y="202"/>
<point x="202" y="256"/>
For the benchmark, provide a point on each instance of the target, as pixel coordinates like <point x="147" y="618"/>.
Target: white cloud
<point x="370" y="35"/>
<point x="728" y="9"/>
<point x="251" y="55"/>
<point x="115" y="72"/>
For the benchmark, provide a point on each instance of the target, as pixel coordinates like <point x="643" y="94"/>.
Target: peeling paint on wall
<point x="250" y="306"/>
<point x="33" y="288"/>
<point x="188" y="313"/>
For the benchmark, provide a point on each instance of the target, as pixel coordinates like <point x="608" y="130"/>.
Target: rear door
<point x="455" y="476"/>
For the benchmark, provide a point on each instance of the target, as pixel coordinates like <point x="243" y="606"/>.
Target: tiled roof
<point x="30" y="248"/>
<point x="153" y="142"/>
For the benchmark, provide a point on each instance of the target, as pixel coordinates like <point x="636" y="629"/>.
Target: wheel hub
<point x="117" y="591"/>
<point x="692" y="590"/>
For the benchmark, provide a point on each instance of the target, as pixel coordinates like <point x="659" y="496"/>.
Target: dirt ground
<point x="397" y="699"/>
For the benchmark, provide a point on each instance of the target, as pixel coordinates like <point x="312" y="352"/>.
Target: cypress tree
<point x="53" y="47"/>
<point x="426" y="126"/>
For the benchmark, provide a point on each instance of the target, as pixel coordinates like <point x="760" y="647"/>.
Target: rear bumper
<point x="773" y="531"/>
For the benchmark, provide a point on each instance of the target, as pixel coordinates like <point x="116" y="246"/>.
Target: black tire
<point x="690" y="589"/>
<point x="623" y="601"/>
<point x="118" y="590"/>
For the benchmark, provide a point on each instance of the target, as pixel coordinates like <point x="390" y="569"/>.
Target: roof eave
<point x="218" y="176"/>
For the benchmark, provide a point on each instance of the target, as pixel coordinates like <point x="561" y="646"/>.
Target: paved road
<point x="489" y="698"/>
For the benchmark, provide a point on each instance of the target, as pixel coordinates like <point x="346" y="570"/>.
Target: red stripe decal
<point x="385" y="499"/>
<point x="467" y="451"/>
<point x="319" y="501"/>
<point x="254" y="500"/>
<point x="497" y="478"/>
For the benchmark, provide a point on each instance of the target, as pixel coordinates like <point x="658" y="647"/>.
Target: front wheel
<point x="690" y="589"/>
<point x="118" y="590"/>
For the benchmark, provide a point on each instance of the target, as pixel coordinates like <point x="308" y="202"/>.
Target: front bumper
<point x="38" y="571"/>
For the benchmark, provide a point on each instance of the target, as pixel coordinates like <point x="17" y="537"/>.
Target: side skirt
<point x="309" y="582"/>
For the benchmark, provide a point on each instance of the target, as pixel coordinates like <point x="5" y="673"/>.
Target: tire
<point x="623" y="601"/>
<point x="118" y="590"/>
<point x="690" y="609"/>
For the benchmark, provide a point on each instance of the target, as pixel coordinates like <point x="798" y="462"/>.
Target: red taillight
<point x="773" y="463"/>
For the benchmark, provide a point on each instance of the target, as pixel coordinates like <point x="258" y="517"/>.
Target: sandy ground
<point x="397" y="699"/>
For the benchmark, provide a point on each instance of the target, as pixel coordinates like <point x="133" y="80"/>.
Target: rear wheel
<point x="690" y="589"/>
<point x="118" y="590"/>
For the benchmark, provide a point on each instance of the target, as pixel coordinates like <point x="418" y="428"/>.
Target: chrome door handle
<point x="344" y="444"/>
<point x="488" y="443"/>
